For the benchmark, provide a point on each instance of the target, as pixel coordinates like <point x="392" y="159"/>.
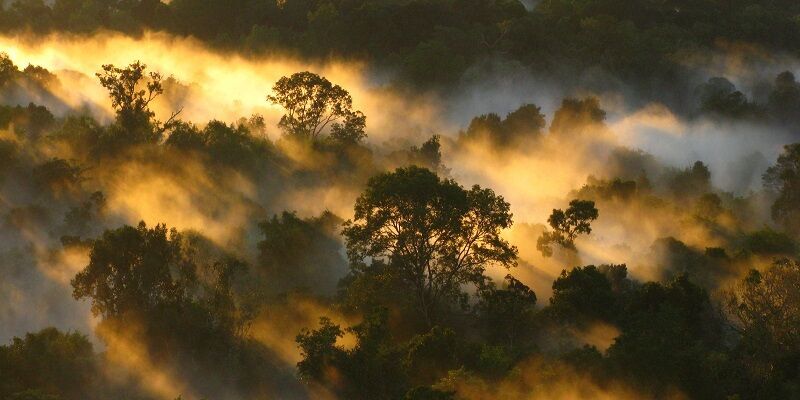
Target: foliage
<point x="58" y="175"/>
<point x="419" y="245"/>
<point x="764" y="304"/>
<point x="301" y="253"/>
<point x="784" y="179"/>
<point x="584" y="294"/>
<point x="526" y="122"/>
<point x="577" y="117"/>
<point x="434" y="233"/>
<point x="690" y="182"/>
<point x="567" y="225"/>
<point x="135" y="269"/>
<point x="131" y="93"/>
<point x="48" y="365"/>
<point x="719" y="97"/>
<point x="508" y="313"/>
<point x="370" y="370"/>
<point x="314" y="104"/>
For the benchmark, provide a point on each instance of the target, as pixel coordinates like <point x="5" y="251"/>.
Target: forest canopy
<point x="399" y="199"/>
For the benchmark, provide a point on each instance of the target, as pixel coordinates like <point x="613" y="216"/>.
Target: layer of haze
<point x="534" y="179"/>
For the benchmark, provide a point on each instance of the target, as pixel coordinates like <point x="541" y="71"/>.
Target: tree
<point x="8" y="70"/>
<point x="525" y="122"/>
<point x="427" y="155"/>
<point x="567" y="225"/>
<point x="670" y="333"/>
<point x="433" y="233"/>
<point x="351" y="130"/>
<point x="78" y="219"/>
<point x="301" y="253"/>
<point x="318" y="349"/>
<point x="719" y="97"/>
<point x="784" y="179"/>
<point x="507" y="313"/>
<point x="575" y="116"/>
<point x="134" y="269"/>
<point x="766" y="307"/>
<point x="784" y="100"/>
<point x="691" y="182"/>
<point x="48" y="365"/>
<point x="131" y="98"/>
<point x="313" y="103"/>
<point x="770" y="242"/>
<point x="372" y="369"/>
<point x="58" y="175"/>
<point x="584" y="294"/>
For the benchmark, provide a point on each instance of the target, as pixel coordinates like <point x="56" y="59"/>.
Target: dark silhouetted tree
<point x="582" y="295"/>
<point x="719" y="97"/>
<point x="784" y="100"/>
<point x="49" y="364"/>
<point x="784" y="179"/>
<point x="764" y="306"/>
<point x="567" y="225"/>
<point x="507" y="313"/>
<point x="436" y="235"/>
<point x="131" y="92"/>
<point x="691" y="182"/>
<point x="670" y="337"/>
<point x="577" y="116"/>
<point x="301" y="253"/>
<point x="8" y="70"/>
<point x="526" y="122"/>
<point x="314" y="104"/>
<point x="372" y="369"/>
<point x="58" y="176"/>
<point x="135" y="269"/>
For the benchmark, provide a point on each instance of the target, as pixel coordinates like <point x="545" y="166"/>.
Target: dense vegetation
<point x="433" y="43"/>
<point x="418" y="292"/>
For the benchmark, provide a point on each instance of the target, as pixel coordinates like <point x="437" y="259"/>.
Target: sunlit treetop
<point x="315" y="106"/>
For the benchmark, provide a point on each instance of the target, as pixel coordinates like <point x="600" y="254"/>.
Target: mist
<point x="266" y="288"/>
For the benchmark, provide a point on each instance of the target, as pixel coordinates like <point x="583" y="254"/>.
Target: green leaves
<point x="567" y="225"/>
<point x="435" y="234"/>
<point x="131" y="92"/>
<point x="313" y="105"/>
<point x="134" y="269"/>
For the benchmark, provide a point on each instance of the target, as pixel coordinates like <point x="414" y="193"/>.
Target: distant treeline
<point x="431" y="43"/>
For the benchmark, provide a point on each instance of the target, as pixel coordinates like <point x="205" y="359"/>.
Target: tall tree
<point x="7" y="69"/>
<point x="766" y="307"/>
<point x="784" y="179"/>
<point x="507" y="313"/>
<point x="577" y="117"/>
<point x="49" y="364"/>
<point x="134" y="268"/>
<point x="433" y="233"/>
<point x="313" y="105"/>
<point x="567" y="225"/>
<point x="131" y="93"/>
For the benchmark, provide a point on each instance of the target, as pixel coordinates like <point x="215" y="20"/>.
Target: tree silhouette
<point x="7" y="69"/>
<point x="314" y="104"/>
<point x="134" y="269"/>
<point x="433" y="233"/>
<point x="507" y="313"/>
<point x="567" y="225"/>
<point x="131" y="93"/>
<point x="765" y="307"/>
<point x="784" y="178"/>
